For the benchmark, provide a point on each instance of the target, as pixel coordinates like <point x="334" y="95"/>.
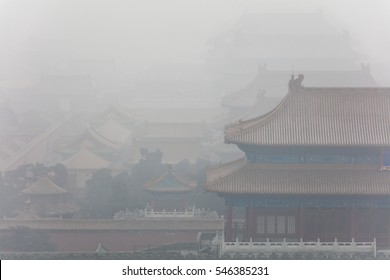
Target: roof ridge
<point x="243" y="125"/>
<point x="169" y="172"/>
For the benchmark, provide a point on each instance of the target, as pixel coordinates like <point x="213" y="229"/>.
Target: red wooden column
<point x="250" y="222"/>
<point x="372" y="222"/>
<point x="352" y="223"/>
<point x="382" y="157"/>
<point x="301" y="222"/>
<point x="228" y="223"/>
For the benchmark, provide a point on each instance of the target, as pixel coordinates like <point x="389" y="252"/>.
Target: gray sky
<point x="146" y="31"/>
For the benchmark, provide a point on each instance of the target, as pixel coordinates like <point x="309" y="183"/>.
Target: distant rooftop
<point x="84" y="159"/>
<point x="114" y="131"/>
<point x="170" y="182"/>
<point x="44" y="186"/>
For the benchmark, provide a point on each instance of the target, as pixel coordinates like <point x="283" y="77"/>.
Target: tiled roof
<point x="170" y="182"/>
<point x="91" y="138"/>
<point x="114" y="131"/>
<point x="320" y="116"/>
<point x="99" y="138"/>
<point x="118" y="112"/>
<point x="85" y="159"/>
<point x="302" y="179"/>
<point x="20" y="156"/>
<point x="44" y="186"/>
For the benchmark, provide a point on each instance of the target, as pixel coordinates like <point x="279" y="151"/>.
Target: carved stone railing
<point x="169" y="214"/>
<point x="193" y="213"/>
<point x="296" y="247"/>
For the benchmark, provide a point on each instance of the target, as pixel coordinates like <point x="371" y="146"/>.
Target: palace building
<point x="169" y="191"/>
<point x="47" y="200"/>
<point x="315" y="168"/>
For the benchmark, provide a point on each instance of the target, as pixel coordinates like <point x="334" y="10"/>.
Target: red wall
<point x="87" y="241"/>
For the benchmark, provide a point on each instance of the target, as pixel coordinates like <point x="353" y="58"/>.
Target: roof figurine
<point x="295" y="84"/>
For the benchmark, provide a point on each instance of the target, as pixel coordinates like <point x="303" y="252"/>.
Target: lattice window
<point x="280" y="224"/>
<point x="271" y="224"/>
<point x="260" y="224"/>
<point x="382" y="221"/>
<point x="291" y="225"/>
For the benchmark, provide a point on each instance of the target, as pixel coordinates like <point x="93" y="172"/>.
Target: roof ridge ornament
<point x="295" y="84"/>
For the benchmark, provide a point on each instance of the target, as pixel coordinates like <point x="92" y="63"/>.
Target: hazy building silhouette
<point x="169" y="191"/>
